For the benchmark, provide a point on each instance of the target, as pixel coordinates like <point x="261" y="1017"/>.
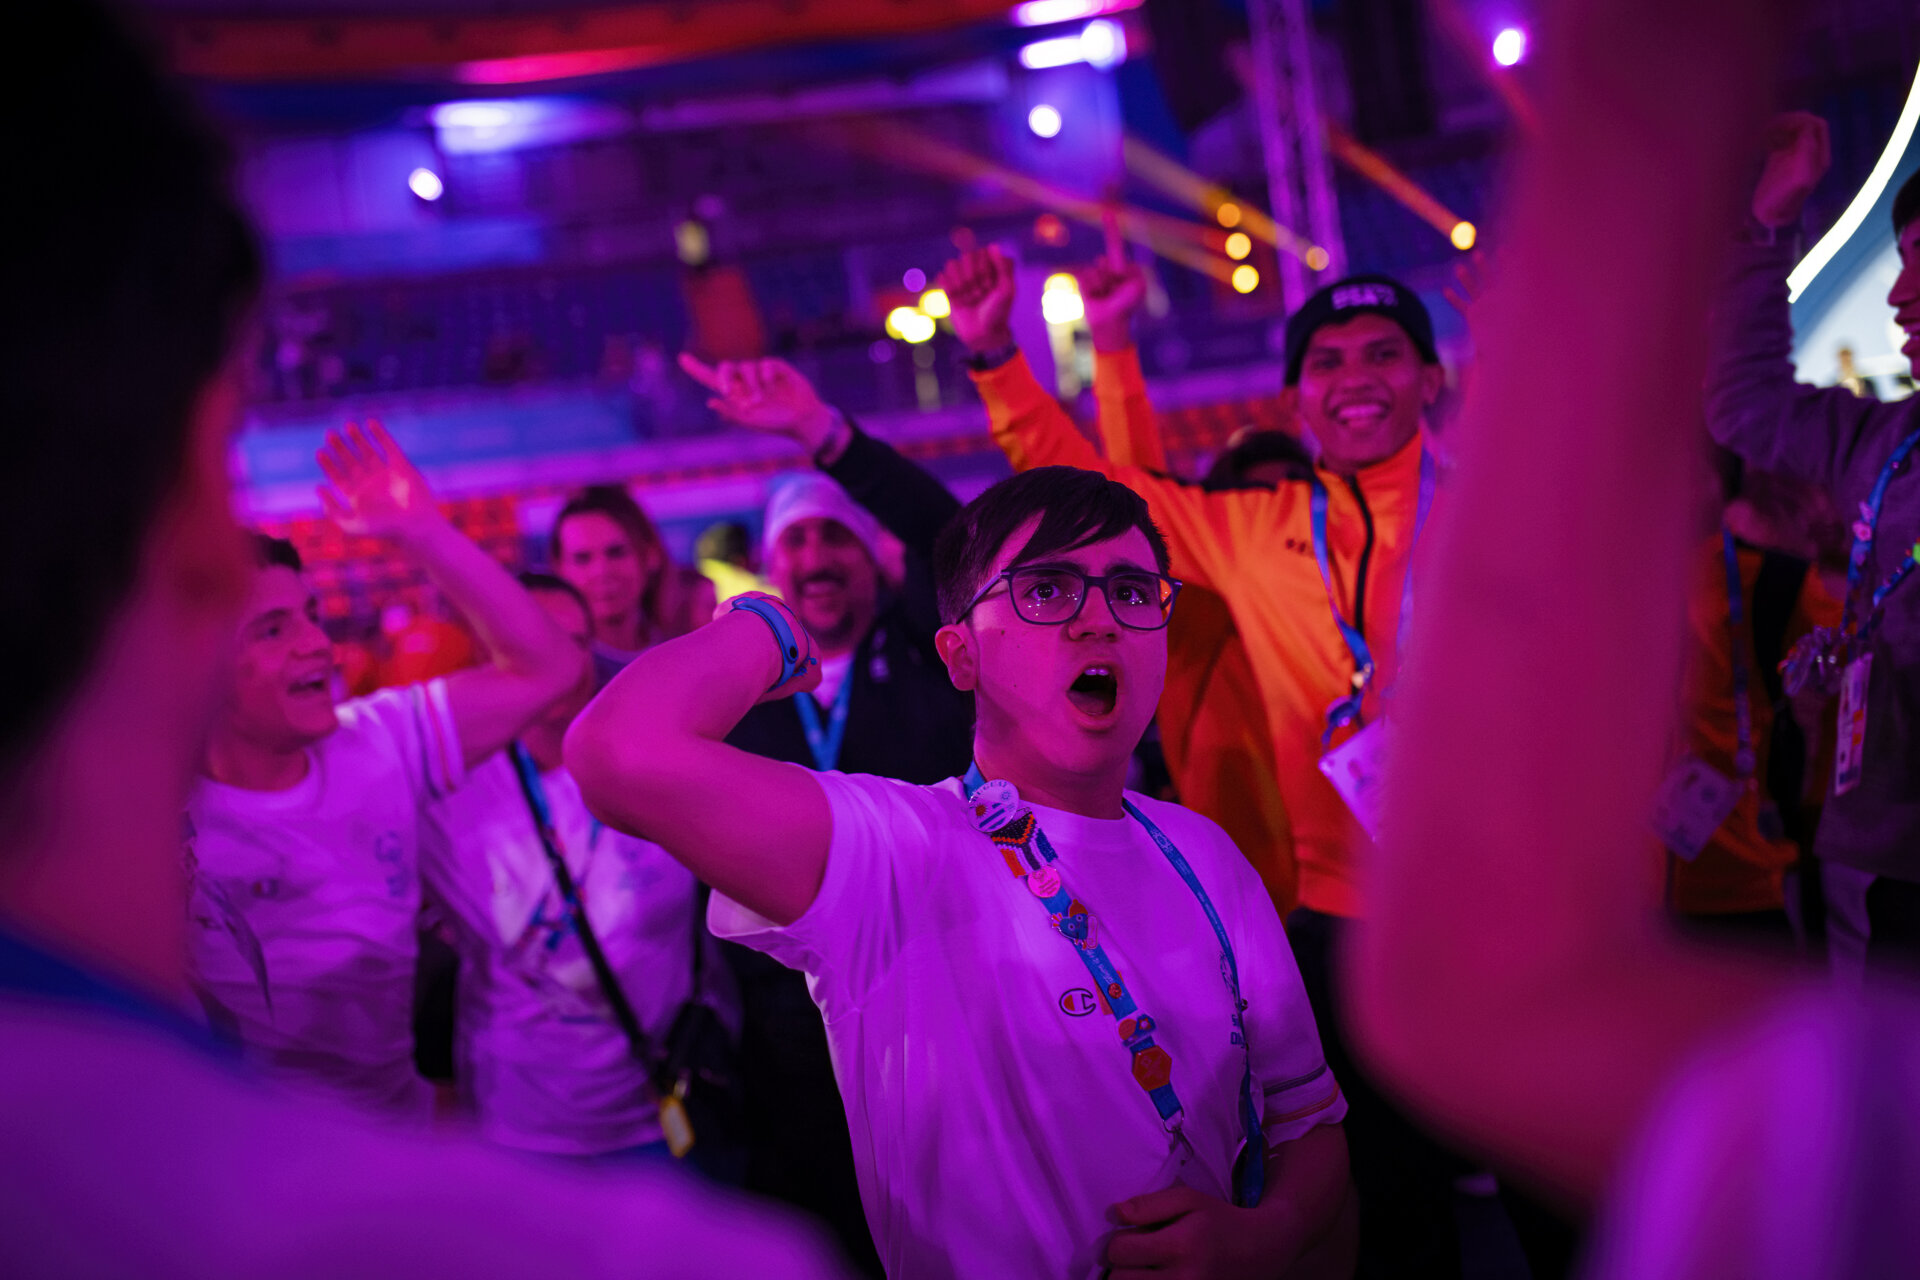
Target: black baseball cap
<point x="1358" y="295"/>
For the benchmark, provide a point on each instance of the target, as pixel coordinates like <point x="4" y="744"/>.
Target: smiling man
<point x="1315" y="572"/>
<point x="1861" y="452"/>
<point x="308" y="819"/>
<point x="1055" y="1006"/>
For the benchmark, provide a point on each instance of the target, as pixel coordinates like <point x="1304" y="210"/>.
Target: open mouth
<point x="1095" y="691"/>
<point x="313" y="686"/>
<point x="1360" y="412"/>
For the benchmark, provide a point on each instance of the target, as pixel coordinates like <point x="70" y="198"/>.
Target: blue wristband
<point x="791" y="663"/>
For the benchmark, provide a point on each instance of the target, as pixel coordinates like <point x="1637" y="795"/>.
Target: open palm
<point x="372" y="490"/>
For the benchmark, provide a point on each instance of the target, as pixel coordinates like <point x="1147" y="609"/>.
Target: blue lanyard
<point x="1152" y="1066"/>
<point x="1744" y="760"/>
<point x="824" y="740"/>
<point x="1864" y="530"/>
<point x="1347" y="710"/>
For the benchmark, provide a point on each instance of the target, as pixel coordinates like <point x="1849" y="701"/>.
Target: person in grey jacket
<point x="1865" y="454"/>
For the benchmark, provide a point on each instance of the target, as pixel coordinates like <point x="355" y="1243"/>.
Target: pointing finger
<point x="704" y="374"/>
<point x="1116" y="243"/>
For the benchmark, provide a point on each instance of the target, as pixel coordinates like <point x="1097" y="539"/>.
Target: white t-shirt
<point x="833" y="673"/>
<point x="128" y="1154"/>
<point x="1788" y="1149"/>
<point x="539" y="1052"/>
<point x="326" y="874"/>
<point x="994" y="1115"/>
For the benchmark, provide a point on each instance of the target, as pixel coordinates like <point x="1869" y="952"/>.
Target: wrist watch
<point x="992" y="357"/>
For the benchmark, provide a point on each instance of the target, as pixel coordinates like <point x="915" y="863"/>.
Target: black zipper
<point x="1366" y="557"/>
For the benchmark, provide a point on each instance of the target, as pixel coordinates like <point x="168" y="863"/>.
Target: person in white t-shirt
<point x="540" y="1055"/>
<point x="1045" y="1068"/>
<point x="307" y="821"/>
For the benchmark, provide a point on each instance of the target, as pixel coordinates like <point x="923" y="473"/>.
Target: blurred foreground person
<point x="975" y="945"/>
<point x="1515" y="980"/>
<point x="130" y="1144"/>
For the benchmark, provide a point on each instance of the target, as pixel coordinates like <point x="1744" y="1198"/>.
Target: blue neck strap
<point x="1151" y="1064"/>
<point x="824" y="740"/>
<point x="1864" y="530"/>
<point x="1347" y="710"/>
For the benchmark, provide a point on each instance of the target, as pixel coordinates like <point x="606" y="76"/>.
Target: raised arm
<point x="772" y="396"/>
<point x="1754" y="405"/>
<point x="1511" y="979"/>
<point x="374" y="491"/>
<point x="1208" y="533"/>
<point x="1113" y="288"/>
<point x="650" y="757"/>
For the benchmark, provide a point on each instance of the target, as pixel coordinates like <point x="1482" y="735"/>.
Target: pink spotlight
<point x="1510" y="46"/>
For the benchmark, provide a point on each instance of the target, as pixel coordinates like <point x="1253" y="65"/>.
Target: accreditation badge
<point x="1357" y="768"/>
<point x="1693" y="801"/>
<point x="1850" y="752"/>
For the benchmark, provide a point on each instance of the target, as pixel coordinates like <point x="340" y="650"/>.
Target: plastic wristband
<point x="791" y="663"/>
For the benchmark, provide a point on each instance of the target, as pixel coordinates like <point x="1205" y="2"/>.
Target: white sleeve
<point x="846" y="940"/>
<point x="1289" y="1067"/>
<point x="417" y="722"/>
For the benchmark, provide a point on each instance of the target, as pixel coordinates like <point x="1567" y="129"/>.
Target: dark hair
<point x="1076" y="509"/>
<point x="614" y="502"/>
<point x="129" y="270"/>
<point x="270" y="552"/>
<point x="533" y="580"/>
<point x="1254" y="449"/>
<point x="1906" y="203"/>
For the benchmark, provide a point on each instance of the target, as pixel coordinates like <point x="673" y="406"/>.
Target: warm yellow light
<point x="916" y="326"/>
<point x="1061" y="307"/>
<point x="1245" y="278"/>
<point x="1228" y="213"/>
<point x="1463" y="236"/>
<point x="1317" y="259"/>
<point x="934" y="302"/>
<point x="1062" y="282"/>
<point x="1239" y="245"/>
<point x="691" y="242"/>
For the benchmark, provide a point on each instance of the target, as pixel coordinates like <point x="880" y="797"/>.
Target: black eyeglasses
<point x="1054" y="596"/>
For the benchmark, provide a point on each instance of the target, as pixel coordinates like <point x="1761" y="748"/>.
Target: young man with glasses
<point x="1060" y="1012"/>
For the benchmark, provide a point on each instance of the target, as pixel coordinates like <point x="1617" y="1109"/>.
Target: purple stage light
<point x="1510" y="46"/>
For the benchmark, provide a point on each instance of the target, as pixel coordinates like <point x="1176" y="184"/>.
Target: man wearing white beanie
<point x="884" y="706"/>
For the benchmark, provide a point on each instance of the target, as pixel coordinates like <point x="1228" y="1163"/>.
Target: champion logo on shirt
<point x="1078" y="1002"/>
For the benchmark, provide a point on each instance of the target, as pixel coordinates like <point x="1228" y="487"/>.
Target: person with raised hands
<point x="1066" y="1022"/>
<point x="1316" y="573"/>
<point x="884" y="705"/>
<point x="307" y="816"/>
<point x="1861" y="452"/>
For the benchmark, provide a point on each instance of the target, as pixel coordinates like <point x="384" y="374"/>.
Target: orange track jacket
<point x="1254" y="547"/>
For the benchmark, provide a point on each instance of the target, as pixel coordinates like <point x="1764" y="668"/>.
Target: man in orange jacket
<point x="1315" y="574"/>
